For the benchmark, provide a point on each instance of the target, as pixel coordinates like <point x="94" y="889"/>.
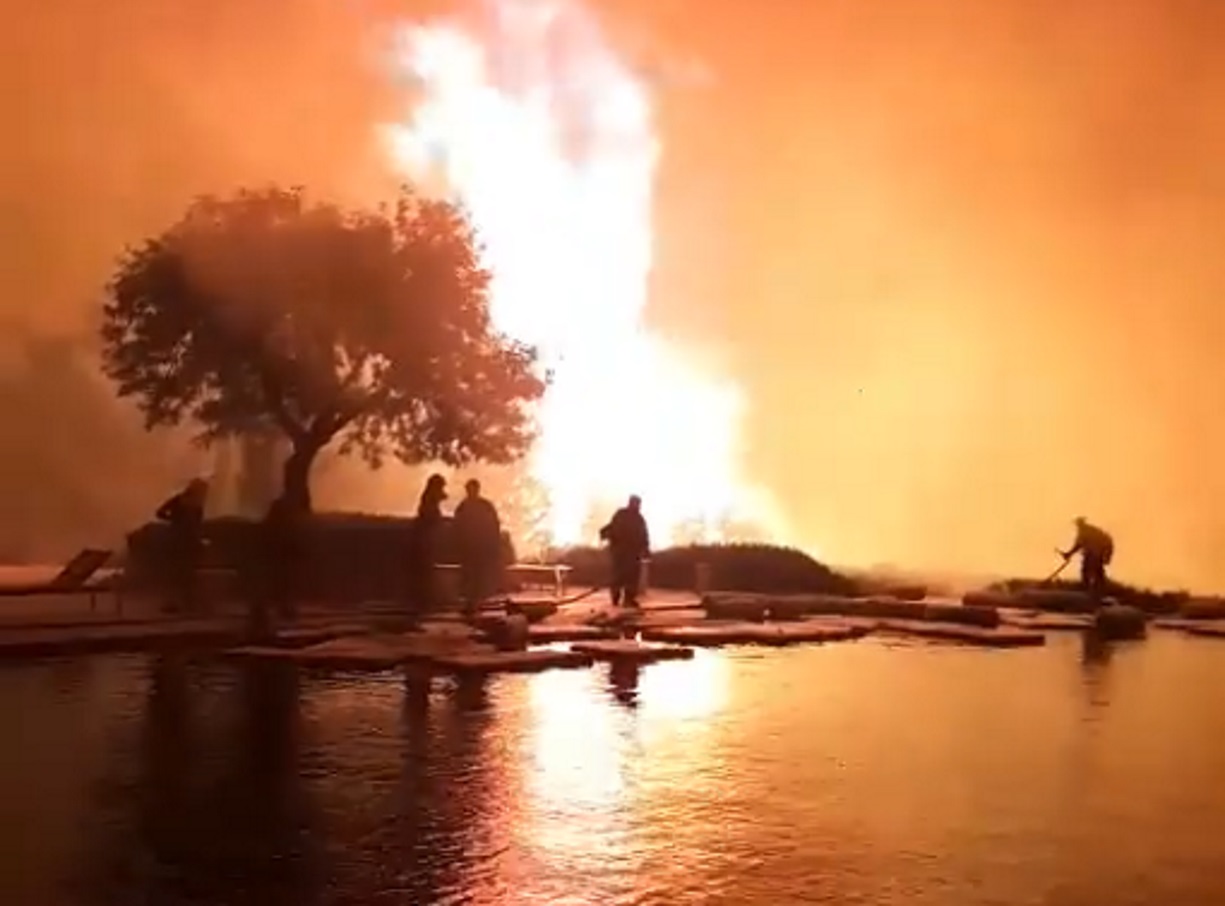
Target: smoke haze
<point x="117" y="115"/>
<point x="964" y="258"/>
<point x="970" y="258"/>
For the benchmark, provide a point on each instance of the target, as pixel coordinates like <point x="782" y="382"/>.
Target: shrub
<point x="760" y="568"/>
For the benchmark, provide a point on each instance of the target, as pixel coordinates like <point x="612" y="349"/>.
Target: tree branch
<point x="328" y="424"/>
<point x="275" y="399"/>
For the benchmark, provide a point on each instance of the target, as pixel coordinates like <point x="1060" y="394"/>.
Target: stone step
<point x="508" y="662"/>
<point x="1002" y="637"/>
<point x="733" y="633"/>
<point x="545" y="633"/>
<point x="631" y="652"/>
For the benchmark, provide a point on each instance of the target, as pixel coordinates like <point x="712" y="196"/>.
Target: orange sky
<point x="964" y="257"/>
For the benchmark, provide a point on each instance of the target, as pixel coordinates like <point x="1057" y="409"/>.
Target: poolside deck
<point x="64" y="625"/>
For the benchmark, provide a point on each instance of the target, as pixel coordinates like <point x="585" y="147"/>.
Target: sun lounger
<point x="550" y="575"/>
<point x="78" y="577"/>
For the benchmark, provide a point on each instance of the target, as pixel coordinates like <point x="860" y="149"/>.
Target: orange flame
<point x="547" y="139"/>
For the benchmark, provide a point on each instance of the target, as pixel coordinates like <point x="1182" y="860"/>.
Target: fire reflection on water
<point x="590" y="774"/>
<point x="851" y="773"/>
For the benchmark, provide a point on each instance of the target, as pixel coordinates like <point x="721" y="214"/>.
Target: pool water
<point x="859" y="773"/>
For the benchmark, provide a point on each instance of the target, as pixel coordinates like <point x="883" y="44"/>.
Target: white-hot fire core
<point x="532" y="123"/>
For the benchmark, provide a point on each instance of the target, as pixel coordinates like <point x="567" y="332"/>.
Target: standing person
<point x="629" y="544"/>
<point x="184" y="516"/>
<point x="478" y="536"/>
<point x="423" y="553"/>
<point x="1096" y="549"/>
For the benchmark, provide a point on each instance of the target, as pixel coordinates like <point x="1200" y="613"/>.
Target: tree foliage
<point x="264" y="312"/>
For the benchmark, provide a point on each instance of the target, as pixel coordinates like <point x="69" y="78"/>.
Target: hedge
<point x="763" y="568"/>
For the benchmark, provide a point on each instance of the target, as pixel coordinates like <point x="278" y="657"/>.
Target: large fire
<point x="529" y="119"/>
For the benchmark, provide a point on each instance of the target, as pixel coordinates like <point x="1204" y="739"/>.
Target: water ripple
<point x="859" y="773"/>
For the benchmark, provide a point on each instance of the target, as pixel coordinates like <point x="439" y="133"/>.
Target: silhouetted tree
<point x="265" y="311"/>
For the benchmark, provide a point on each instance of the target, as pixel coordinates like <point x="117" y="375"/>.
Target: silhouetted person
<point x="283" y="549"/>
<point x="478" y="541"/>
<point x="184" y="516"/>
<point x="1096" y="549"/>
<point x="629" y="544"/>
<point x="422" y="556"/>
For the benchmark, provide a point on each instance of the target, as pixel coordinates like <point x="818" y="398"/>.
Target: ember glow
<point x="530" y="121"/>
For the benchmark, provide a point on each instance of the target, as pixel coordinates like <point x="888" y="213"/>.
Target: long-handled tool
<point x="1062" y="566"/>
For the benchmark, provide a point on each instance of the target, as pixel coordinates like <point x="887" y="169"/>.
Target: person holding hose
<point x="629" y="544"/>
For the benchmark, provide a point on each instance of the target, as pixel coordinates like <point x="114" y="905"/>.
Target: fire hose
<point x="573" y="599"/>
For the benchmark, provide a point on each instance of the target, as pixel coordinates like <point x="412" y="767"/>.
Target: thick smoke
<point x="970" y="257"/>
<point x="964" y="257"/>
<point x="115" y="116"/>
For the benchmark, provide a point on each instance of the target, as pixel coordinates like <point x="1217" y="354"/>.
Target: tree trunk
<point x="296" y="476"/>
<point x="275" y="562"/>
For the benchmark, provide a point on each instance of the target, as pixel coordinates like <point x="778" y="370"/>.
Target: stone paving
<point x="49" y="624"/>
<point x="65" y="624"/>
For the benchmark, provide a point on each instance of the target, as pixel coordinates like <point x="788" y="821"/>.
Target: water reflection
<point x="411" y="783"/>
<point x="1096" y="655"/>
<point x="623" y="683"/>
<point x="1096" y="650"/>
<point x="576" y="752"/>
<point x="164" y="781"/>
<point x="203" y="800"/>
<point x="471" y="695"/>
<point x="851" y="773"/>
<point x="687" y="690"/>
<point x="577" y="805"/>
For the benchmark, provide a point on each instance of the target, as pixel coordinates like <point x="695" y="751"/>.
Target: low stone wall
<point x="1203" y="609"/>
<point x="349" y="558"/>
<point x="756" y="608"/>
<point x="1067" y="597"/>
